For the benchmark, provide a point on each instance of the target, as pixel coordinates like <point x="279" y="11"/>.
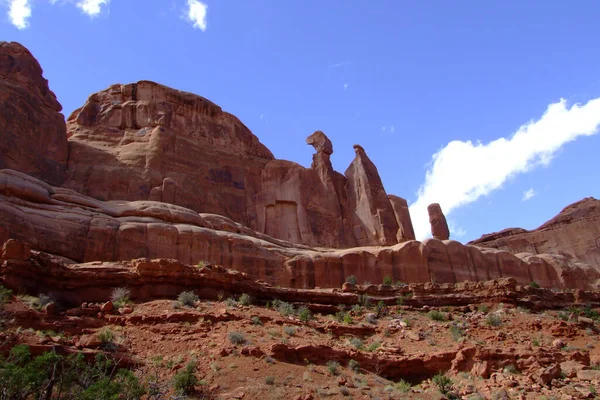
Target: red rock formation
<point x="574" y="232"/>
<point x="144" y="141"/>
<point x="373" y="219"/>
<point x="439" y="226"/>
<point x="80" y="228"/>
<point x="32" y="130"/>
<point x="400" y="207"/>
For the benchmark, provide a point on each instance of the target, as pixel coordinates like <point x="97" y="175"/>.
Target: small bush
<point x="289" y="330"/>
<point x="387" y="280"/>
<point x="5" y="295"/>
<point x="245" y="299"/>
<point x="270" y="380"/>
<point x="563" y="315"/>
<point x="364" y="300"/>
<point x="187" y="299"/>
<point x="354" y="365"/>
<point x="285" y="309"/>
<point x="374" y="346"/>
<point x="443" y="383"/>
<point x="256" y="321"/>
<point x="347" y="319"/>
<point x="304" y="314"/>
<point x="332" y="367"/>
<point x="403" y="386"/>
<point x="381" y="309"/>
<point x="484" y="308"/>
<point x="436" y="315"/>
<point x="357" y="343"/>
<point x="201" y="264"/>
<point x="456" y="332"/>
<point x="237" y="338"/>
<point x="42" y="301"/>
<point x="371" y="318"/>
<point x="534" y="285"/>
<point x="493" y="320"/>
<point x="351" y="279"/>
<point x="230" y="302"/>
<point x="511" y="369"/>
<point x="185" y="381"/>
<point x="106" y="335"/>
<point x="120" y="297"/>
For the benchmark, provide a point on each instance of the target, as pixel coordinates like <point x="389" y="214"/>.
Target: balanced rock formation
<point x="32" y="130"/>
<point x="437" y="219"/>
<point x="574" y="232"/>
<point x="82" y="229"/>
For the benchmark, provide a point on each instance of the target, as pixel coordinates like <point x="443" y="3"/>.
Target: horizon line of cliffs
<point x="82" y="229"/>
<point x="146" y="141"/>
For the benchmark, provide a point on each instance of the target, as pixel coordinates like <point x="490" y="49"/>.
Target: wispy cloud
<point x="528" y="194"/>
<point x="345" y="86"/>
<point x="456" y="231"/>
<point x="340" y="64"/>
<point x="390" y="129"/>
<point x="19" y="12"/>
<point x="92" y="7"/>
<point x="462" y="172"/>
<point x="196" y="14"/>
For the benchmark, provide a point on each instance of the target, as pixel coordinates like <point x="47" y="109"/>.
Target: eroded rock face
<point x="439" y="225"/>
<point x="32" y="130"/>
<point x="144" y="141"/>
<point x="83" y="229"/>
<point x="574" y="232"/>
<point x="405" y="226"/>
<point x="373" y="219"/>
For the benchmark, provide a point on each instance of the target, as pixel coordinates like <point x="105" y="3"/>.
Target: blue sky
<point x="408" y="80"/>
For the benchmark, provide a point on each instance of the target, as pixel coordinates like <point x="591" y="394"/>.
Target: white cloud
<point x="19" y="12"/>
<point x="390" y="129"/>
<point x="456" y="231"/>
<point x="528" y="194"/>
<point x="345" y="86"/>
<point x="340" y="64"/>
<point x="92" y="7"/>
<point x="462" y="172"/>
<point x="196" y="14"/>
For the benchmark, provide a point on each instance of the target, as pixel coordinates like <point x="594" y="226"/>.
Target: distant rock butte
<point x="574" y="233"/>
<point x="154" y="172"/>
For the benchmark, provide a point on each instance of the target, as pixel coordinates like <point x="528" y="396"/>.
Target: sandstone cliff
<point x="574" y="232"/>
<point x="145" y="141"/>
<point x="32" y="129"/>
<point x="82" y="229"/>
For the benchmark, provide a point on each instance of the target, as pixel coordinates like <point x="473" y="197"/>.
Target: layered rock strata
<point x="574" y="233"/>
<point x="83" y="229"/>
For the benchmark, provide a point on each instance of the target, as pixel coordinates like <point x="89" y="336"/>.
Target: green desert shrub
<point x="185" y="380"/>
<point x="120" y="297"/>
<point x="187" y="299"/>
<point x="237" y="338"/>
<point x="436" y="315"/>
